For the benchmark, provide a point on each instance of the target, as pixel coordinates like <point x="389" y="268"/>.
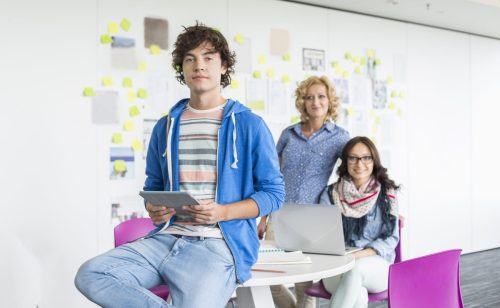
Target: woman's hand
<point x="364" y="253"/>
<point x="159" y="214"/>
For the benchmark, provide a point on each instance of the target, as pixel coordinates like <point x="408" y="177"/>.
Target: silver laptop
<point x="312" y="228"/>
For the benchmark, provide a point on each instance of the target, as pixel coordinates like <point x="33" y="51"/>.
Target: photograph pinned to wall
<point x="147" y="128"/>
<point x="126" y="207"/>
<point x="342" y="88"/>
<point x="124" y="59"/>
<point x="279" y="41"/>
<point x="379" y="94"/>
<point x="313" y="60"/>
<point x="122" y="42"/>
<point x="244" y="52"/>
<point x="121" y="163"/>
<point x="279" y="99"/>
<point x="155" y="32"/>
<point x="256" y="92"/>
<point x="158" y="90"/>
<point x="360" y="94"/>
<point x="105" y="107"/>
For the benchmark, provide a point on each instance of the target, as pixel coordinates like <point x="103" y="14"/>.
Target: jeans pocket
<point x="219" y="248"/>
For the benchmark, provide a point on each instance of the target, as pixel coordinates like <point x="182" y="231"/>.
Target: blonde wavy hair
<point x="333" y="99"/>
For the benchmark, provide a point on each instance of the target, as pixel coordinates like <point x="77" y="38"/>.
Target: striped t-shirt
<point x="198" y="137"/>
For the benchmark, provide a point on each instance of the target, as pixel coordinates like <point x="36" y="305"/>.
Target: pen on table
<point x="267" y="270"/>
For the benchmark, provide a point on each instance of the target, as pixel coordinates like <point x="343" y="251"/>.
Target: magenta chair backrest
<point x="431" y="281"/>
<point x="132" y="229"/>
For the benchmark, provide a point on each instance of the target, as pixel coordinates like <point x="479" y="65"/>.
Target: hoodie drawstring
<point x="234" y="165"/>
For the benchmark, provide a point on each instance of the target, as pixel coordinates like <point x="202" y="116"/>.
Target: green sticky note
<point x="128" y="126"/>
<point x="357" y="70"/>
<point x="377" y="61"/>
<point x="106" y="39"/>
<point x="117" y="138"/>
<point x="127" y="82"/>
<point x="136" y="144"/>
<point x="142" y="93"/>
<point x="154" y="50"/>
<point x="257" y="74"/>
<point x="119" y="165"/>
<point x="235" y="84"/>
<point x="107" y="81"/>
<point x="112" y="27"/>
<point x="347" y="56"/>
<point x="125" y="24"/>
<point x="88" y="91"/>
<point x="362" y="61"/>
<point x="394" y="93"/>
<point x="286" y="57"/>
<point x="134" y="111"/>
<point x="294" y="119"/>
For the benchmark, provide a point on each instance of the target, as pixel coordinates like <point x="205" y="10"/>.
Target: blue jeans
<point x="198" y="271"/>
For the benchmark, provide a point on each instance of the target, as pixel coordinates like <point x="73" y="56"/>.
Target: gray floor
<point x="479" y="280"/>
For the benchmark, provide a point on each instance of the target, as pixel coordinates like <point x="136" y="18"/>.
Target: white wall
<point x="55" y="192"/>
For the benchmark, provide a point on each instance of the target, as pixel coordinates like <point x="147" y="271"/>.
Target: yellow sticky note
<point x="346" y="74"/>
<point x="125" y="24"/>
<point x="136" y="144"/>
<point x="238" y="38"/>
<point x="88" y="91"/>
<point x="389" y="79"/>
<point x="362" y="61"/>
<point x="357" y="70"/>
<point x="131" y="97"/>
<point x="261" y="59"/>
<point x="270" y="73"/>
<point x="119" y="165"/>
<point x="377" y="61"/>
<point x="127" y="82"/>
<point x="143" y="66"/>
<point x="256" y="105"/>
<point x="391" y="105"/>
<point x="334" y="64"/>
<point x="295" y="119"/>
<point x="347" y="56"/>
<point x="134" y="111"/>
<point x="112" y="27"/>
<point x="128" y="126"/>
<point x="401" y="94"/>
<point x="394" y="93"/>
<point x="107" y="81"/>
<point x="286" y="57"/>
<point x="356" y="59"/>
<point x="257" y="74"/>
<point x="106" y="39"/>
<point x="350" y="111"/>
<point x="117" y="138"/>
<point x="370" y="53"/>
<point x="142" y="93"/>
<point x="285" y="78"/>
<point x="154" y="50"/>
<point x="338" y="70"/>
<point x="235" y="84"/>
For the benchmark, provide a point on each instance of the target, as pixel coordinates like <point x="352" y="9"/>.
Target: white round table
<point x="256" y="292"/>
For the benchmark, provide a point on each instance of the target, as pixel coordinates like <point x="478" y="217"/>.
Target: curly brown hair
<point x="193" y="37"/>
<point x="333" y="99"/>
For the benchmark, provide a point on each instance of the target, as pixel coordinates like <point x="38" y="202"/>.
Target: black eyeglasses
<point x="354" y="159"/>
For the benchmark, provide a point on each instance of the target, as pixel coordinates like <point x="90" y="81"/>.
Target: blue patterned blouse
<point x="307" y="163"/>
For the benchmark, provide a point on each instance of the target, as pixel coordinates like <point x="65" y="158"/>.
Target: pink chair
<point x="318" y="288"/>
<point x="131" y="230"/>
<point x="431" y="281"/>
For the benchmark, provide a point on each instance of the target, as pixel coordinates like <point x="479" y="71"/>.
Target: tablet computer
<point x="171" y="199"/>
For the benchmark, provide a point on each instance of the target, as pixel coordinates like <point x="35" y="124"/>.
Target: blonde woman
<point x="307" y="151"/>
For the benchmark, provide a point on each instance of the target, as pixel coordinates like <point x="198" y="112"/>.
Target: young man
<point x="221" y="153"/>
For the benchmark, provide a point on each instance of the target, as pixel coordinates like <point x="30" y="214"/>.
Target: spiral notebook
<point x="270" y="254"/>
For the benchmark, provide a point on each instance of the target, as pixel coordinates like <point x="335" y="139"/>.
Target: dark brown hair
<point x="379" y="171"/>
<point x="193" y="37"/>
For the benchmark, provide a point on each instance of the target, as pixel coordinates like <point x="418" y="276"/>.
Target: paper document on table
<point x="282" y="257"/>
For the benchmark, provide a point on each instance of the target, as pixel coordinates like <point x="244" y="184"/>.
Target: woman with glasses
<point x="366" y="197"/>
<point x="307" y="151"/>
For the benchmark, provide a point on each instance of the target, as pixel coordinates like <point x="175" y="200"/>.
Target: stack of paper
<point x="282" y="257"/>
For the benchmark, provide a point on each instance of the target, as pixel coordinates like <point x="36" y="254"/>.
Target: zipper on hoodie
<point x="216" y="199"/>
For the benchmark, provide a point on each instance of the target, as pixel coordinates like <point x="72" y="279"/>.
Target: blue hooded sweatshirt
<point x="247" y="167"/>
